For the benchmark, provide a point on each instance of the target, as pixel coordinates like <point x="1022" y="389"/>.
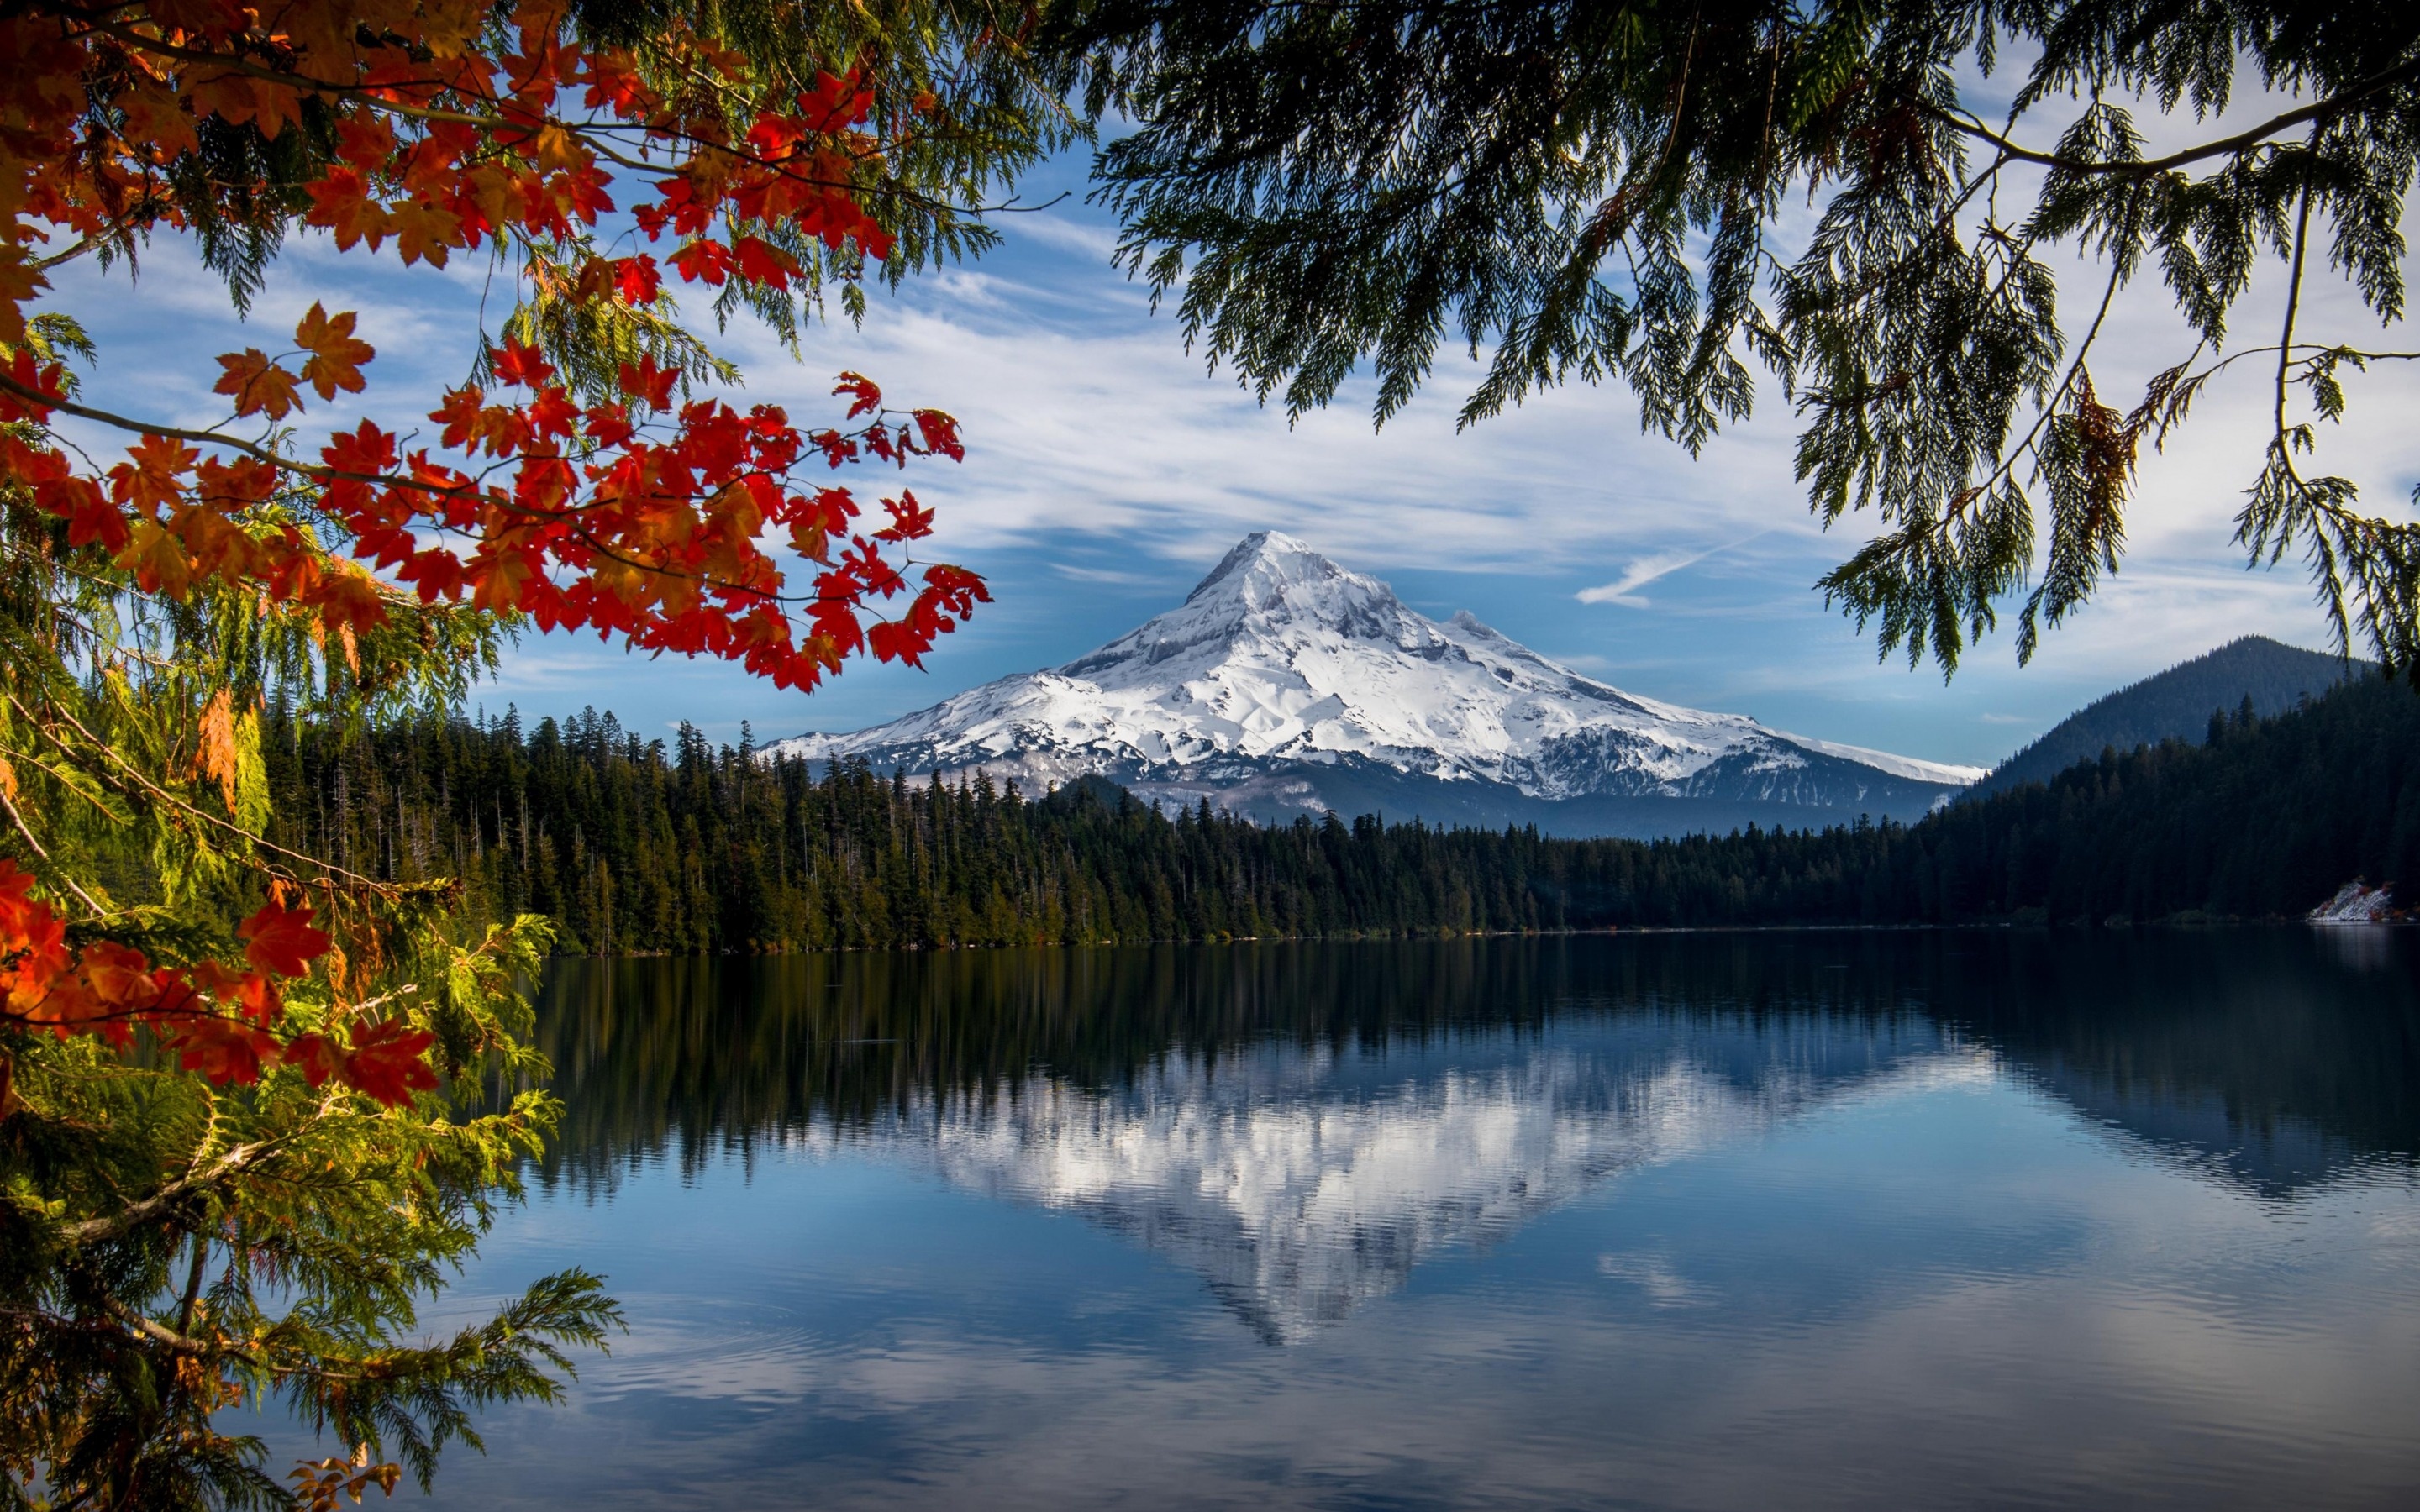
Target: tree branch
<point x="134" y="1215"/>
<point x="26" y="830"/>
<point x="2293" y="308"/>
<point x="2318" y="110"/>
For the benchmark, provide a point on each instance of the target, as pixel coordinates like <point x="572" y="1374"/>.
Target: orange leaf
<point x="216" y="758"/>
<point x="347" y="601"/>
<point x="117" y="975"/>
<point x="336" y="357"/>
<point x="257" y="996"/>
<point x="423" y="231"/>
<point x="148" y="476"/>
<point x="341" y="202"/>
<point x="158" y="560"/>
<point x="497" y="579"/>
<point x="257" y="384"/>
<point x="20" y="280"/>
<point x="555" y="147"/>
<point x="154" y="120"/>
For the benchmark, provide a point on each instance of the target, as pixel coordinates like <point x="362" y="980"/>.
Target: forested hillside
<point x="2174" y="704"/>
<point x="640" y="847"/>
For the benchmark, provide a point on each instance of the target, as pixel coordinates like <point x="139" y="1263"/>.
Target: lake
<point x="1804" y="1220"/>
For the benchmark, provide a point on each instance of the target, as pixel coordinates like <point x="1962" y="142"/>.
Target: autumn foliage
<point x="110" y="989"/>
<point x="639" y="514"/>
<point x="259" y="1093"/>
<point x="620" y="499"/>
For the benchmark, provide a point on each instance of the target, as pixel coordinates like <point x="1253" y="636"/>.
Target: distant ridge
<point x="2177" y="704"/>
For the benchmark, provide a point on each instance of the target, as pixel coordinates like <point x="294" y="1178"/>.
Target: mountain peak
<point x="1286" y="683"/>
<point x="1270" y="556"/>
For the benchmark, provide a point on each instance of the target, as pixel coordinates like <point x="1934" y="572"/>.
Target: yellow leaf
<point x="555" y="147"/>
<point x="499" y="579"/>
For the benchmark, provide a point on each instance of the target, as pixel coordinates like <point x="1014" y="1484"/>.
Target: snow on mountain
<point x="1284" y="683"/>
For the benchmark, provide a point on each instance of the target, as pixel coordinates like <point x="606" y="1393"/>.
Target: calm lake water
<point x="1715" y="1221"/>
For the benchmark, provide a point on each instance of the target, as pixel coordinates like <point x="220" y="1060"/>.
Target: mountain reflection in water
<point x="1953" y="1218"/>
<point x="2272" y="1059"/>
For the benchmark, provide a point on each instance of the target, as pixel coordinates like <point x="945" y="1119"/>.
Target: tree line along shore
<point x="639" y="847"/>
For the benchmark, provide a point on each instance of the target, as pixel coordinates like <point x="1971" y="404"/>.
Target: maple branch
<point x="212" y="437"/>
<point x="323" y="472"/>
<point x="593" y="131"/>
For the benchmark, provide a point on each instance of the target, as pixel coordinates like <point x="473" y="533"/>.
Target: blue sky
<point x="1107" y="471"/>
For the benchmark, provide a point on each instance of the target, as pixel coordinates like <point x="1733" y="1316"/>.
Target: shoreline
<point x="2170" y="924"/>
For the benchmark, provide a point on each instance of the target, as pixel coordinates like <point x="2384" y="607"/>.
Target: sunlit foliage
<point x="247" y="1121"/>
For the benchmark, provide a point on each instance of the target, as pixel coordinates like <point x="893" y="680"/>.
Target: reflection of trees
<point x="2256" y="1040"/>
<point x="2268" y="1049"/>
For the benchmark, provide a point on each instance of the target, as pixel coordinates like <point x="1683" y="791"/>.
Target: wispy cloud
<point x="1625" y="589"/>
<point x="1102" y="575"/>
<point x="1057" y="231"/>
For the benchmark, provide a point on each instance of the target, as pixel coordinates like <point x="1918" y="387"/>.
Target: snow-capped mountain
<point x="1285" y="685"/>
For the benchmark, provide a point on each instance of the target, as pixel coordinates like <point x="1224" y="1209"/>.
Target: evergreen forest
<point x="636" y="846"/>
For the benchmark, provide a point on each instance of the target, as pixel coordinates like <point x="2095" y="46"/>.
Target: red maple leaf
<point x="517" y="363"/>
<point x="223" y="1050"/>
<point x="644" y="381"/>
<point x="865" y="394"/>
<point x="282" y="941"/>
<point x="703" y="260"/>
<point x="316" y="1057"/>
<point x="637" y="279"/>
<point x="389" y="1062"/>
<point x="118" y="976"/>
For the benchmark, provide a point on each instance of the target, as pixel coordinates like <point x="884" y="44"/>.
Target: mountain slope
<point x="2176" y="705"/>
<point x="1285" y="685"/>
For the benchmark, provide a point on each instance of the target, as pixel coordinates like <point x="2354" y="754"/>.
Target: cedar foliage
<point x="1911" y="219"/>
<point x="636" y="846"/>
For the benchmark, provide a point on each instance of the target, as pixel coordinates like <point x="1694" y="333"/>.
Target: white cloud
<point x="1060" y="233"/>
<point x="1625" y="589"/>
